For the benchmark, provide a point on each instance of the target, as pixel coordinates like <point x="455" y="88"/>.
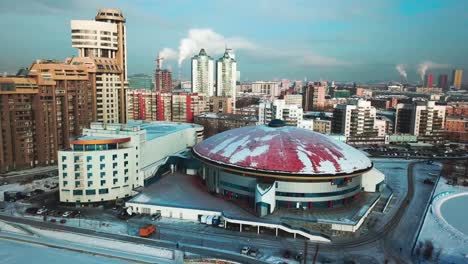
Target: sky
<point x="343" y="40"/>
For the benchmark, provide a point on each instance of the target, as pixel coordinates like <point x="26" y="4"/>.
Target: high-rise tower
<point x="102" y="47"/>
<point x="226" y="71"/>
<point x="202" y="74"/>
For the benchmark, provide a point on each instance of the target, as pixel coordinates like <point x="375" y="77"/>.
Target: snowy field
<point x="452" y="243"/>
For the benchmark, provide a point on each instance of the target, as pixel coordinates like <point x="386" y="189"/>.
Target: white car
<point x="67" y="214"/>
<point x="245" y="250"/>
<point x="42" y="211"/>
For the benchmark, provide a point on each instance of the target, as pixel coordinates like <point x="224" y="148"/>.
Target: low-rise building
<point x="110" y="160"/>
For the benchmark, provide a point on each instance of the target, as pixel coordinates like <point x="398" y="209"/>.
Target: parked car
<point x="245" y="250"/>
<point x="42" y="211"/>
<point x="32" y="210"/>
<point x="53" y="220"/>
<point x="67" y="214"/>
<point x="253" y="252"/>
<point x="63" y="221"/>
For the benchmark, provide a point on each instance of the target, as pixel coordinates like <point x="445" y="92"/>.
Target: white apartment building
<point x="110" y="160"/>
<point x="104" y="41"/>
<point x="226" y="68"/>
<point x="202" y="74"/>
<point x="278" y="109"/>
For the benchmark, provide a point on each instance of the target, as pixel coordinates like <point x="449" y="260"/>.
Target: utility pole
<point x="316" y="253"/>
<point x="305" y="251"/>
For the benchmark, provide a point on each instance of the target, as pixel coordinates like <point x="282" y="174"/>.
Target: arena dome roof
<point x="282" y="149"/>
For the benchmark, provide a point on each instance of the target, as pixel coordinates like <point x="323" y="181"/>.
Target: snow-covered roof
<point x="284" y="149"/>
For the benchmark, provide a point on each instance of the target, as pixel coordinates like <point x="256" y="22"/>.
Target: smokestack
<point x="159" y="61"/>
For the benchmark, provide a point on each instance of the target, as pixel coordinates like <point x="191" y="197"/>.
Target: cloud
<point x="429" y="65"/>
<point x="215" y="43"/>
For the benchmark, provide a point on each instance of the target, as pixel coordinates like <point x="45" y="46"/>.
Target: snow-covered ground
<point x="453" y="244"/>
<point x="36" y="184"/>
<point x="92" y="245"/>
<point x="10" y="253"/>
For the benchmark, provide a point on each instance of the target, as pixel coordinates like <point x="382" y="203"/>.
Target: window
<point x="89" y="158"/>
<point x="77" y="158"/>
<point x="77" y="184"/>
<point x="126" y="179"/>
<point x="114" y="156"/>
<point x="125" y="171"/>
<point x="101" y="158"/>
<point x="115" y="181"/>
<point x="77" y="192"/>
<point x="125" y="155"/>
<point x="64" y="166"/>
<point x="114" y="173"/>
<point x="64" y="158"/>
<point x="103" y="191"/>
<point x="90" y="174"/>
<point x="103" y="174"/>
<point x="90" y="183"/>
<point x="77" y="175"/>
<point x="65" y="183"/>
<point x="77" y="166"/>
<point x="65" y="175"/>
<point x="114" y="165"/>
<point x="89" y="167"/>
<point x="125" y="163"/>
<point x="103" y="182"/>
<point x="102" y="166"/>
<point x="90" y="192"/>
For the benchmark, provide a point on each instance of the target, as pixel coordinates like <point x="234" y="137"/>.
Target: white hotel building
<point x="110" y="160"/>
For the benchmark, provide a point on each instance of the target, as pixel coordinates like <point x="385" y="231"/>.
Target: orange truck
<point x="147" y="230"/>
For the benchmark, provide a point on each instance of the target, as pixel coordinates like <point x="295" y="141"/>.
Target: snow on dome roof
<point x="284" y="149"/>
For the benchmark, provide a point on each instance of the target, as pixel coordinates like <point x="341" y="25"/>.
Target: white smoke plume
<point x="211" y="41"/>
<point x="168" y="54"/>
<point x="401" y="68"/>
<point x="429" y="65"/>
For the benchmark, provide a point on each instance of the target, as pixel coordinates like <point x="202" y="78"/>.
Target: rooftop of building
<point x="211" y="115"/>
<point x="153" y="130"/>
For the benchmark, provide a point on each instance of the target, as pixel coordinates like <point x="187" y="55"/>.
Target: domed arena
<point x="271" y="166"/>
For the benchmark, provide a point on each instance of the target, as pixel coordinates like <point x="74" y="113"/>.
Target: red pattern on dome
<point x="283" y="149"/>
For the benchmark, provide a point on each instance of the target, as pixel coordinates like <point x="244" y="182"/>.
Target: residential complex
<point x="420" y="118"/>
<point x="41" y="111"/>
<point x="155" y="106"/>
